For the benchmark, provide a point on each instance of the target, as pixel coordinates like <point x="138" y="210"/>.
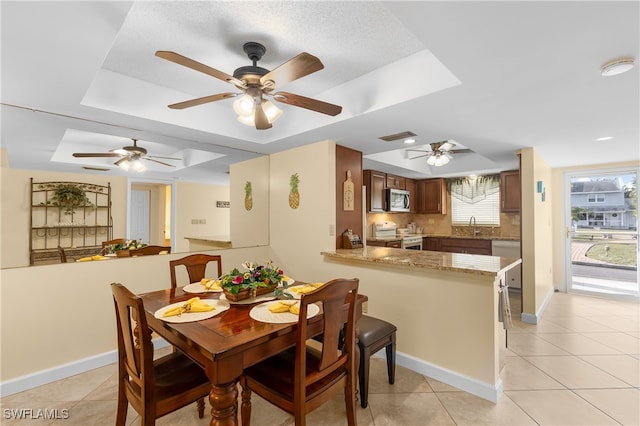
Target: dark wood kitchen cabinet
<point x="375" y="183"/>
<point x="510" y="192"/>
<point x="396" y="182"/>
<point x="432" y="196"/>
<point x="466" y="245"/>
<point x="410" y="185"/>
<point x="431" y="243"/>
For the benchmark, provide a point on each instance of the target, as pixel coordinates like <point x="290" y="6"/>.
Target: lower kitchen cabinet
<point x="457" y="245"/>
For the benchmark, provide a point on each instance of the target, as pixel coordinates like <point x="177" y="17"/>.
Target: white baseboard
<point x="535" y="318"/>
<point x="59" y="372"/>
<point x="473" y="386"/>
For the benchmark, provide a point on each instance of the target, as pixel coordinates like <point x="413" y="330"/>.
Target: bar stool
<point x="373" y="335"/>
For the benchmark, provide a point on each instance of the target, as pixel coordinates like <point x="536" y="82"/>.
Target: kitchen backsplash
<point x="440" y="225"/>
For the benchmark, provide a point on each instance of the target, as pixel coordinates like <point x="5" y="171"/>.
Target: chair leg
<point x="363" y="376"/>
<point x="123" y="405"/>
<point x="350" y="400"/>
<point x="200" y="404"/>
<point x="245" y="407"/>
<point x="391" y="359"/>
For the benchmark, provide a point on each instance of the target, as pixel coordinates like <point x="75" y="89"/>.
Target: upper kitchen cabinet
<point x="410" y="185"/>
<point x="510" y="191"/>
<point x="375" y="183"/>
<point x="396" y="182"/>
<point x="432" y="196"/>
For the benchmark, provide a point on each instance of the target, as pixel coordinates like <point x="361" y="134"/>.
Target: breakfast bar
<point x="445" y="306"/>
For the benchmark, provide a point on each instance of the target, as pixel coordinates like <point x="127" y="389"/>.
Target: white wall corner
<point x="535" y="318"/>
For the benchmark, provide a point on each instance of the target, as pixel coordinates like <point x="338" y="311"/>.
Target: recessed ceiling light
<point x="409" y="141"/>
<point x="617" y="66"/>
<point x="604" y="138"/>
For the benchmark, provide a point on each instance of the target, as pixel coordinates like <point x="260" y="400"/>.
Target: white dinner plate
<point x="220" y="307"/>
<point x="199" y="288"/>
<point x="258" y="299"/>
<point x="263" y="314"/>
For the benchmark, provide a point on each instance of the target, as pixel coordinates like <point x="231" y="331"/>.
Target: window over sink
<point x="477" y="197"/>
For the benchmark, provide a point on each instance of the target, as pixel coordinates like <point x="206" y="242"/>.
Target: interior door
<point x="139" y="213"/>
<point x="601" y="225"/>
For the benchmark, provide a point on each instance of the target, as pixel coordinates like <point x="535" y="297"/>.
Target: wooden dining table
<point x="225" y="344"/>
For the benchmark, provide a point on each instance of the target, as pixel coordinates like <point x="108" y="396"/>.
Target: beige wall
<point x="198" y="201"/>
<point x="536" y="240"/>
<point x="561" y="207"/>
<point x="250" y="227"/>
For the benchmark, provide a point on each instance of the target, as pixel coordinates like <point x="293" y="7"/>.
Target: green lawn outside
<point x="618" y="254"/>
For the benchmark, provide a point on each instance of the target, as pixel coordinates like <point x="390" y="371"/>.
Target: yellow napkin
<point x="191" y="305"/>
<point x="90" y="258"/>
<point x="285" y="306"/>
<point x="302" y="289"/>
<point x="210" y="284"/>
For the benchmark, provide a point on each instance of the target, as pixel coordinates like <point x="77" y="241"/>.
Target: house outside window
<point x="595" y="198"/>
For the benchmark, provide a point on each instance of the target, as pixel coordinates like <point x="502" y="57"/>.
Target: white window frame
<point x="486" y="211"/>
<point x="597" y="198"/>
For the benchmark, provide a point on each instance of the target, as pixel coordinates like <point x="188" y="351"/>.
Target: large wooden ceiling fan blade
<point x="262" y="122"/>
<point x="295" y="68"/>
<point x="308" y="103"/>
<point x="95" y="154"/>
<point x="202" y="100"/>
<point x="198" y="66"/>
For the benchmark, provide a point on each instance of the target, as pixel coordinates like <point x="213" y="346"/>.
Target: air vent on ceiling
<point x="98" y="169"/>
<point x="397" y="136"/>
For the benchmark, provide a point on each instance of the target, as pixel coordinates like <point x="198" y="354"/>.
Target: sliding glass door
<point x="602" y="233"/>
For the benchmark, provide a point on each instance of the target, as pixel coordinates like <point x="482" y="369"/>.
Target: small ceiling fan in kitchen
<point x="130" y="157"/>
<point x="256" y="86"/>
<point x="439" y="153"/>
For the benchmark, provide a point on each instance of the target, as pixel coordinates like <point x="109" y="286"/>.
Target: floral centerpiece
<point x="122" y="250"/>
<point x="254" y="281"/>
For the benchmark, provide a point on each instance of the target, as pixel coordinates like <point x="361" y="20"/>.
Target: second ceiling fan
<point x="257" y="86"/>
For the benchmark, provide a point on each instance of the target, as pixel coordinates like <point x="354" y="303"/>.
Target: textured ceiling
<point x="494" y="76"/>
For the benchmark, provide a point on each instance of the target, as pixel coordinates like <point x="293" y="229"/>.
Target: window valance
<point x="473" y="189"/>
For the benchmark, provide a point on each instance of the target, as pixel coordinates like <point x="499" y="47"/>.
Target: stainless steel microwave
<point x="397" y="200"/>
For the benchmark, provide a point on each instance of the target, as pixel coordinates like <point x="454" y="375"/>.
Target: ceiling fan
<point x="130" y="156"/>
<point x="440" y="153"/>
<point x="256" y="84"/>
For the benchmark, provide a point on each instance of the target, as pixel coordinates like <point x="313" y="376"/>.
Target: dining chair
<point x="373" y="335"/>
<point x="152" y="387"/>
<point x="147" y="250"/>
<point x="113" y="242"/>
<point x="302" y="378"/>
<point x="62" y="254"/>
<point x="196" y="265"/>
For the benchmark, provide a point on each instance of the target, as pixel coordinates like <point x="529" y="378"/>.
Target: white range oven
<point x="412" y="242"/>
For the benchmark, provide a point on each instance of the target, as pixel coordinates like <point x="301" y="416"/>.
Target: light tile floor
<point x="579" y="366"/>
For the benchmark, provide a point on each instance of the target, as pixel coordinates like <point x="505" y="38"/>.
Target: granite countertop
<point x="457" y="262"/>
<point x="224" y="239"/>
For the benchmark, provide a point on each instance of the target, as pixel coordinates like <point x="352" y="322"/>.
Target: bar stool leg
<point x="363" y="376"/>
<point x="391" y="359"/>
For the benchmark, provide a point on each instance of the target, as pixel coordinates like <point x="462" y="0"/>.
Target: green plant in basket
<point x="255" y="276"/>
<point x="130" y="245"/>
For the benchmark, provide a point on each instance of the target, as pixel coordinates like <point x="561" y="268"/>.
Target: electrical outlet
<point x="203" y="221"/>
<point x="194" y="221"/>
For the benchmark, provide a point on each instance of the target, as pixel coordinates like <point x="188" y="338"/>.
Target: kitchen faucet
<point x="475" y="230"/>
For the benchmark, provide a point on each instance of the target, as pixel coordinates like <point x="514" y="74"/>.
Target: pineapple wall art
<point x="248" y="197"/>
<point x="294" y="194"/>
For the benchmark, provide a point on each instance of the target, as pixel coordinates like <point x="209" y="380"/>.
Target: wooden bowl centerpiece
<point x="256" y="280"/>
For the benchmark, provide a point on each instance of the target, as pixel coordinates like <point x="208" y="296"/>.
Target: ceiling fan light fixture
<point x="138" y="166"/>
<point x="617" y="66"/>
<point x="244" y="106"/>
<point x="273" y="112"/>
